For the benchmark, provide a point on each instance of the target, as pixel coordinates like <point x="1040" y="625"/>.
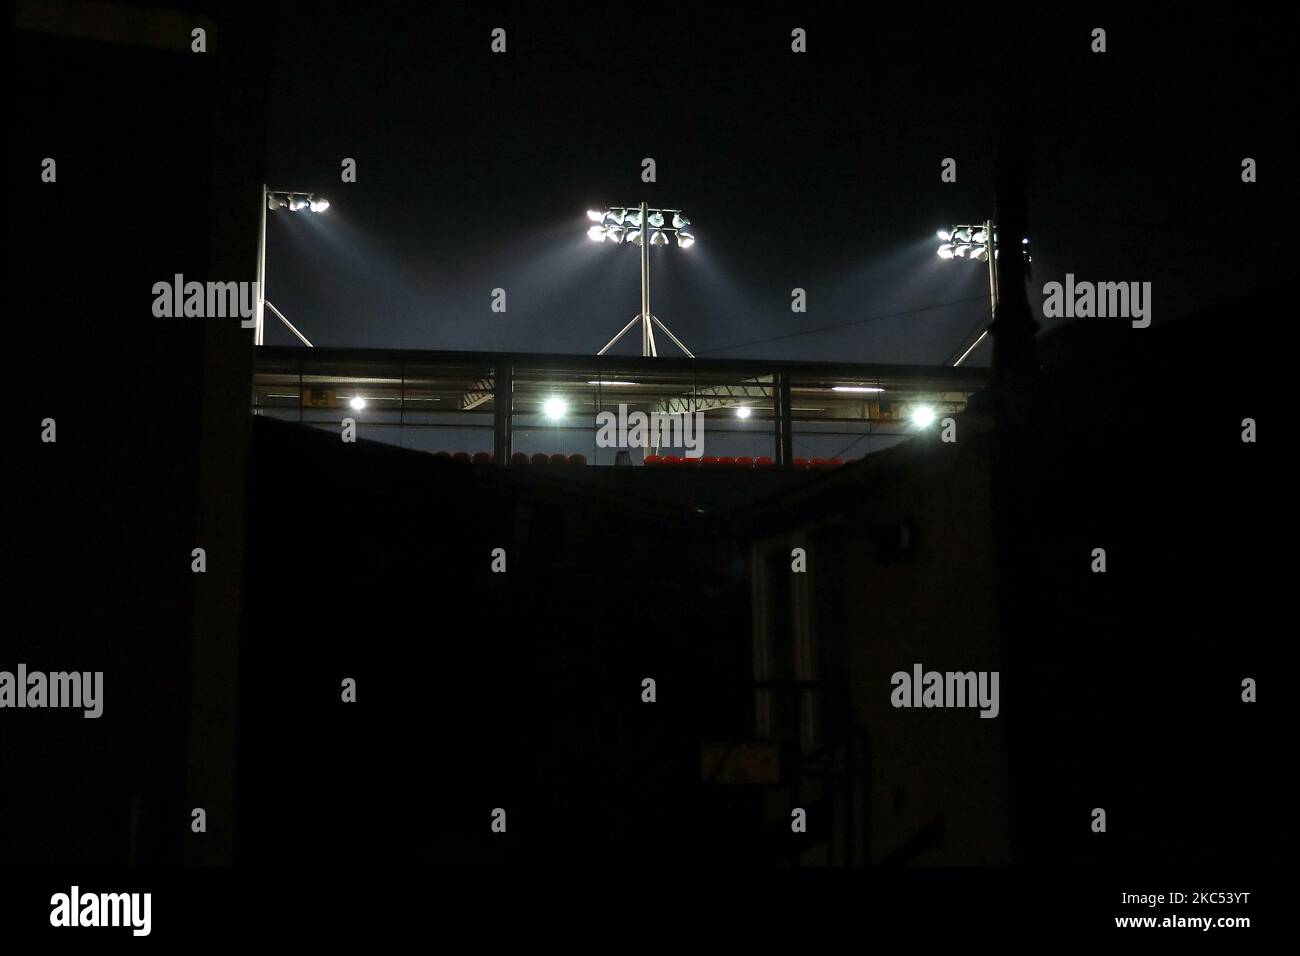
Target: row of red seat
<point x="653" y="461"/>
<point x="763" y="461"/>
<point x="518" y="458"/>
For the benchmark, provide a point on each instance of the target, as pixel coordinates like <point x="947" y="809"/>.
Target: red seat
<point x="654" y="459"/>
<point x="801" y="463"/>
<point x="763" y="461"/>
<point x="708" y="461"/>
<point x="672" y="460"/>
<point x="482" y="458"/>
<point x="461" y="456"/>
<point x="817" y="463"/>
<point x="690" y="462"/>
<point x="519" y="458"/>
<point x="726" y="461"/>
<point x="559" y="459"/>
<point x="541" y="458"/>
<point x="577" y="459"/>
<point x="836" y="462"/>
<point x="744" y="461"/>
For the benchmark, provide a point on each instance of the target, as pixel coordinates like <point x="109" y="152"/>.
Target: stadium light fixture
<point x="554" y="408"/>
<point x="273" y="199"/>
<point x="630" y="227"/>
<point x="980" y="243"/>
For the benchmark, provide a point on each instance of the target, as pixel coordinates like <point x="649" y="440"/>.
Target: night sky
<point x="817" y="170"/>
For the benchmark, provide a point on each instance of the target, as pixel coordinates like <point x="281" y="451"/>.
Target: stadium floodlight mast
<point x="644" y="227"/>
<point x="978" y="243"/>
<point x="273" y="199"/>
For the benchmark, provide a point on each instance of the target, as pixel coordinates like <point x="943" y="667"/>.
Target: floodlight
<point x="298" y="202"/>
<point x="319" y="204"/>
<point x="743" y="411"/>
<point x="981" y="253"/>
<point x="922" y="416"/>
<point x="642" y="227"/>
<point x="855" y="388"/>
<point x="945" y="250"/>
<point x="944" y="234"/>
<point x="959" y="251"/>
<point x="596" y="215"/>
<point x="962" y="234"/>
<point x="554" y="407"/>
<point x="980" y="236"/>
<point x="358" y="402"/>
<point x="275" y="202"/>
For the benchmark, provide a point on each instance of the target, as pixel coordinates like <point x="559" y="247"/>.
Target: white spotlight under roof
<point x="856" y="388"/>
<point x="922" y="416"/>
<point x="357" y="402"/>
<point x="743" y="411"/>
<point x="554" y="407"/>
